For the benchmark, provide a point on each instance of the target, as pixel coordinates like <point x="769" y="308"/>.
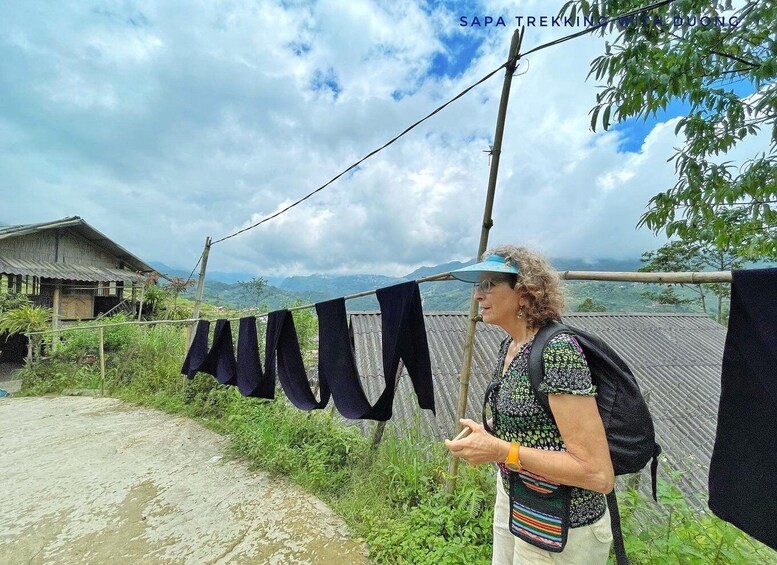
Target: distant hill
<point x="211" y="275"/>
<point x="337" y="285"/>
<point x="576" y="264"/>
<point x="422" y="272"/>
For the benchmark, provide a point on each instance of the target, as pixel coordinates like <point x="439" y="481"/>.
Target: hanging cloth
<point x="282" y="346"/>
<point x="251" y="381"/>
<point x="743" y="469"/>
<point x="403" y="333"/>
<point x="220" y="359"/>
<point x="198" y="350"/>
<point x="403" y="337"/>
<point x="222" y="353"/>
<point x="336" y="362"/>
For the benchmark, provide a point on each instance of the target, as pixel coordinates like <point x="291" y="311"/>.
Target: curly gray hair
<point x="538" y="282"/>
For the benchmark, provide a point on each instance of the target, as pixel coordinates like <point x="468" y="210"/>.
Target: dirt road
<point x="94" y="480"/>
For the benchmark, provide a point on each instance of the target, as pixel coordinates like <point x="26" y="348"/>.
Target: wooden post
<point x="102" y="361"/>
<point x="201" y="279"/>
<point x="198" y="298"/>
<point x="56" y="303"/>
<point x="496" y="150"/>
<point x="142" y="296"/>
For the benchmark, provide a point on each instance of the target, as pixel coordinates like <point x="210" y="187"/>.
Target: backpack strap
<point x="617" y="534"/>
<point x="654" y="468"/>
<point x="536" y="365"/>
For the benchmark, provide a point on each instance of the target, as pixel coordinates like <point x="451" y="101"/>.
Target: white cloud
<point x="163" y="122"/>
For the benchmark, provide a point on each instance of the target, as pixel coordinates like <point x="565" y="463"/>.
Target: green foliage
<point x="667" y="296"/>
<point x="306" y="324"/>
<point x="25" y="319"/>
<point x="154" y="299"/>
<point x="12" y="301"/>
<point x="590" y="305"/>
<point x="697" y="250"/>
<point x="646" y="67"/>
<point x="53" y="376"/>
<point x="672" y="531"/>
<point x="171" y="310"/>
<point x="254" y="289"/>
<point x="75" y="345"/>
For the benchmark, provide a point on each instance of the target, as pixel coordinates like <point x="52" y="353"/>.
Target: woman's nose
<point x="479" y="294"/>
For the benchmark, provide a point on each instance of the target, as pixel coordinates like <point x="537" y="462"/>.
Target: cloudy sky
<point x="161" y="122"/>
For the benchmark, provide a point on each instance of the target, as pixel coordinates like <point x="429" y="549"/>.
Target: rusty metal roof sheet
<point x="64" y="271"/>
<point x="676" y="358"/>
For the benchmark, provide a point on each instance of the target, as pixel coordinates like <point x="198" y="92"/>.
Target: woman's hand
<point x="478" y="447"/>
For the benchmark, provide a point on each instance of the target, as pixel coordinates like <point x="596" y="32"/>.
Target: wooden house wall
<point x="33" y="246"/>
<point x="77" y="307"/>
<point x="76" y="250"/>
<point x="73" y="249"/>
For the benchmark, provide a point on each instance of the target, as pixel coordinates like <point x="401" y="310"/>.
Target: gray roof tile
<point x="676" y="358"/>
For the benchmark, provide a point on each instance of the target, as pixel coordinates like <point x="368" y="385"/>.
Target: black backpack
<point x="625" y="415"/>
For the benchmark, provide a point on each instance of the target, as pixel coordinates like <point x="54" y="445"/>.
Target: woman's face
<point x="498" y="301"/>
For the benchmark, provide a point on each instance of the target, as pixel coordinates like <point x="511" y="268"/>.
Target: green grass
<point x="392" y="496"/>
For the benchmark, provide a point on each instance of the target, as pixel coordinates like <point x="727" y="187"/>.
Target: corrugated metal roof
<point x="676" y="358"/>
<point x="65" y="271"/>
<point x="86" y="231"/>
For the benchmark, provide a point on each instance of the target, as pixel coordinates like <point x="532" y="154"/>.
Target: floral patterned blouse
<point x="521" y="417"/>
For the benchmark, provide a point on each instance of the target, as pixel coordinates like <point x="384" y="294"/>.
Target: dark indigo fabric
<point x="336" y="362"/>
<point x="251" y="381"/>
<point x="282" y="346"/>
<point x="743" y="469"/>
<point x="198" y="350"/>
<point x="404" y="337"/>
<point x="222" y="355"/>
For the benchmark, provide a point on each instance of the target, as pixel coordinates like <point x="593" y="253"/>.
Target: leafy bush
<point x="12" y="301"/>
<point x="654" y="532"/>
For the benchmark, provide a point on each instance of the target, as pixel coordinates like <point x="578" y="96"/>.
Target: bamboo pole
<point x="666" y="278"/>
<point x="116" y="325"/>
<point x="142" y="297"/>
<point x="673" y="278"/>
<point x="198" y="298"/>
<point x="201" y="279"/>
<point x="102" y="362"/>
<point x="496" y="151"/>
<point x="55" y="315"/>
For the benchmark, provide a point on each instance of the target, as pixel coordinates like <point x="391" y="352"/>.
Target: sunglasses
<point x="487" y="285"/>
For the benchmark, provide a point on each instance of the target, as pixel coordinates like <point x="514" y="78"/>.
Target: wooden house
<point x="69" y="266"/>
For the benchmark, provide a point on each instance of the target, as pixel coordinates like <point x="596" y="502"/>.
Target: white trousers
<point x="586" y="545"/>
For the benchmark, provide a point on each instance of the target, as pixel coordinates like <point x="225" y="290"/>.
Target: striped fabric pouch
<point x="539" y="511"/>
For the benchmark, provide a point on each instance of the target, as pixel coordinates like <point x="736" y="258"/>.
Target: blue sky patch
<point x="460" y="51"/>
<point x="323" y="81"/>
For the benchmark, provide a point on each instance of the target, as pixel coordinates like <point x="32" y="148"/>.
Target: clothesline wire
<point x="630" y="14"/>
<point x="360" y="161"/>
<point x="189" y="278"/>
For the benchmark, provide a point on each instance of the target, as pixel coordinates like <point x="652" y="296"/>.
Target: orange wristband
<point x="513" y="460"/>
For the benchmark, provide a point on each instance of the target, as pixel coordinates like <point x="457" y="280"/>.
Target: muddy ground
<point x="95" y="480"/>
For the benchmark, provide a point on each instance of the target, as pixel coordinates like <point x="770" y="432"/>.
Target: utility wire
<point x="189" y="278"/>
<point x="360" y="161"/>
<point x="598" y="26"/>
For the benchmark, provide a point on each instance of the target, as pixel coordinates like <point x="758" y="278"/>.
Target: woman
<point x="519" y="291"/>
